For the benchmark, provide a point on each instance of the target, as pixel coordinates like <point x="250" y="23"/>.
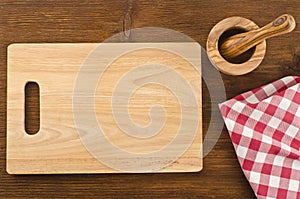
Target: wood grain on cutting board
<point x="57" y="147"/>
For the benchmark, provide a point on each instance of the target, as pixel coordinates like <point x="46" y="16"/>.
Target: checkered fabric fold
<point x="264" y="126"/>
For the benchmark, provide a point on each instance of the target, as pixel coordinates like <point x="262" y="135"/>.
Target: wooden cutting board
<point x="84" y="104"/>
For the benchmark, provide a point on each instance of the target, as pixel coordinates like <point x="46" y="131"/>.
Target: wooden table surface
<point x="96" y="20"/>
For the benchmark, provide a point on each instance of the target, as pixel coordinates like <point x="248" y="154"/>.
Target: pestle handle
<point x="240" y="43"/>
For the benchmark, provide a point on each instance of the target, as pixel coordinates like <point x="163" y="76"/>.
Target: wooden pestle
<point x="240" y="43"/>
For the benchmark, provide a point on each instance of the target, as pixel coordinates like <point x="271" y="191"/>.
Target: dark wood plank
<point x="94" y="21"/>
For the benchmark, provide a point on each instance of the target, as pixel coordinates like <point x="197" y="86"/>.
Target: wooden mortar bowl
<point x="219" y="61"/>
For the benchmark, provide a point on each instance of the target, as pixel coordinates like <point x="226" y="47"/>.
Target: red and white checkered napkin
<point x="264" y="125"/>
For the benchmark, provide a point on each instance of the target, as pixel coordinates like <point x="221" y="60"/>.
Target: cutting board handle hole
<point x="32" y="108"/>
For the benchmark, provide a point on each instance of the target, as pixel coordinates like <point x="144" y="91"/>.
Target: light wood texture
<point x="219" y="61"/>
<point x="57" y="148"/>
<point x="237" y="44"/>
